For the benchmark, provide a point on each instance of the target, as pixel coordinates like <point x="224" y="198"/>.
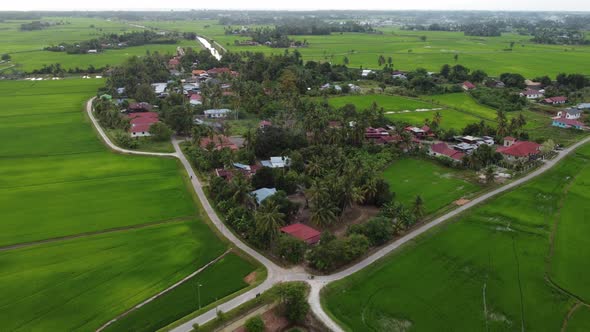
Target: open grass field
<point x="486" y="271"/>
<point x="26" y="47"/>
<point x="409" y="52"/>
<point x="451" y="119"/>
<point x="80" y="284"/>
<point x="439" y="186"/>
<point x="388" y="103"/>
<point x="223" y="278"/>
<point x="60" y="181"/>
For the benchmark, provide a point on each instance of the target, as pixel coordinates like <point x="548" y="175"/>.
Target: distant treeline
<point x="56" y="69"/>
<point x="37" y="25"/>
<point x="107" y="41"/>
<point x="568" y="31"/>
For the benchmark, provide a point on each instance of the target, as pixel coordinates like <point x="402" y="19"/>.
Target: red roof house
<point x="468" y="86"/>
<point x="442" y="149"/>
<point x="519" y="150"/>
<point x="264" y="124"/>
<point x="555" y="100"/>
<point x="141" y="123"/>
<point x="302" y="232"/>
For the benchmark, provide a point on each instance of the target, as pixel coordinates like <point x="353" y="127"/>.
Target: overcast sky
<point x="531" y="5"/>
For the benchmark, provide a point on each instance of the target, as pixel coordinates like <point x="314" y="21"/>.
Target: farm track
<point x="278" y="274"/>
<point x="88" y="234"/>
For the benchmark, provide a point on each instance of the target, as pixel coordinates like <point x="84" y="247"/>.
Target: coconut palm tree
<point x="268" y="220"/>
<point x="323" y="212"/>
<point x="241" y="188"/>
<point x="437" y="119"/>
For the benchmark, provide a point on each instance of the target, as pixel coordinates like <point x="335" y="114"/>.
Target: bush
<point x="254" y="324"/>
<point x="125" y="141"/>
<point x="378" y="230"/>
<point x="293" y="301"/>
<point x="330" y="255"/>
<point x="160" y="132"/>
<point x="291" y="249"/>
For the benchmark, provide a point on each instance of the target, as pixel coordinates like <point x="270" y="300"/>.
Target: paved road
<point x="278" y="274"/>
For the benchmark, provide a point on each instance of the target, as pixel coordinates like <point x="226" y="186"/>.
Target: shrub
<point x="291" y="249"/>
<point x="160" y="131"/>
<point x="254" y="324"/>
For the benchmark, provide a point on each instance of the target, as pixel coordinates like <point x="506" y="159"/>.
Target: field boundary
<point x="94" y="233"/>
<point x="151" y="299"/>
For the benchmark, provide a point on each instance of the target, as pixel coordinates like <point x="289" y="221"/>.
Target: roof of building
<point x="583" y="105"/>
<point x="469" y="85"/>
<point x="531" y="92"/>
<point x="220" y="142"/>
<point x="303" y="232"/>
<point x="520" y="149"/>
<point x="509" y="138"/>
<point x="265" y="123"/>
<point x="140" y="127"/>
<point x="569" y="122"/>
<point x="143" y="115"/>
<point x="573" y="111"/>
<point x="217" y="111"/>
<point x="140" y="106"/>
<point x="443" y="148"/>
<point x="557" y="99"/>
<point x="263" y="193"/>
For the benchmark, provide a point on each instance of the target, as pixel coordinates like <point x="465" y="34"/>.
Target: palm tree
<point x="249" y="138"/>
<point x="418" y="207"/>
<point x="268" y="220"/>
<point x="502" y="124"/>
<point x="241" y="188"/>
<point x="436" y="120"/>
<point x="323" y="212"/>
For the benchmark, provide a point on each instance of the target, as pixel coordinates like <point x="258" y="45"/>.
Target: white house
<point x="276" y="162"/>
<point x="532" y="94"/>
<point x="92" y="51"/>
<point x="366" y="72"/>
<point x="217" y="113"/>
<point x="140" y="130"/>
<point x="570" y="113"/>
<point x="159" y="88"/>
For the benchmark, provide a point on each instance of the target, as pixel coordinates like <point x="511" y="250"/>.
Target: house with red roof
<point x="515" y="150"/>
<point x="468" y="86"/>
<point x="141" y="123"/>
<point x="564" y="122"/>
<point x="555" y="100"/>
<point x="174" y="63"/>
<point x="264" y="124"/>
<point x="442" y="150"/>
<point x="139" y="107"/>
<point x="532" y="94"/>
<point x="218" y="142"/>
<point x="196" y="99"/>
<point x="303" y="232"/>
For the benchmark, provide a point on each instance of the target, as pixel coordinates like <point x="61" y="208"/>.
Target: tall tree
<point x="418" y="207"/>
<point x="268" y="220"/>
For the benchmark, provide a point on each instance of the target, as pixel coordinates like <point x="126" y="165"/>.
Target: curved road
<point x="278" y="274"/>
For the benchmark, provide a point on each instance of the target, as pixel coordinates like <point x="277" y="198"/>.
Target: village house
<point x="141" y="123"/>
<point x="217" y="113"/>
<point x="159" y="88"/>
<point x="276" y="162"/>
<point x="568" y="123"/>
<point x="262" y="194"/>
<point x="375" y="133"/>
<point x="495" y="84"/>
<point x="583" y="106"/>
<point x="247" y="170"/>
<point x="366" y="72"/>
<point x="303" y="232"/>
<point x="532" y="94"/>
<point x="442" y="150"/>
<point x="173" y="63"/>
<point x="399" y="75"/>
<point x="214" y="72"/>
<point x="139" y="107"/>
<point x="555" y="100"/>
<point x="196" y="99"/>
<point x="570" y="114"/>
<point x="514" y="150"/>
<point x="468" y="86"/>
<point x="218" y="142"/>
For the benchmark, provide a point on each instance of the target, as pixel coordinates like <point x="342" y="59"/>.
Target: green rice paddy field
<point x="110" y="230"/>
<point x="492" y="269"/>
<point x="26" y="47"/>
<point x="438" y="186"/>
<point x="409" y="52"/>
